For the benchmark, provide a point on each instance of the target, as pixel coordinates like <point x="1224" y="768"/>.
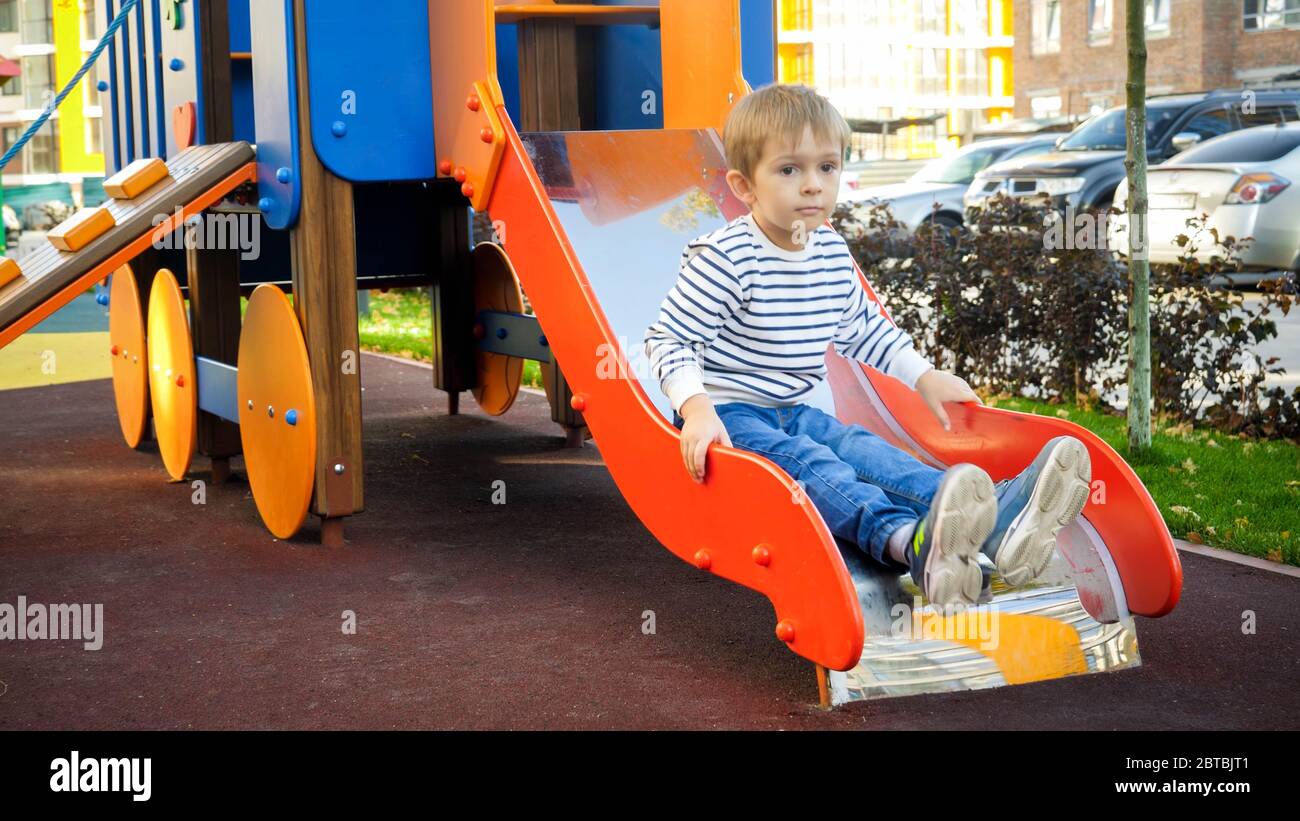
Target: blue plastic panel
<point x="758" y="41"/>
<point x="217" y="388"/>
<point x="274" y="85"/>
<point x="371" y="103"/>
<point x="241" y="72"/>
<point x="630" y="67"/>
<point x="124" y="71"/>
<point x="513" y="335"/>
<point x="106" y="70"/>
<point x="241" y="38"/>
<point x="180" y="87"/>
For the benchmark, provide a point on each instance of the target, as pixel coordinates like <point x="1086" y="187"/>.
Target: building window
<point x="37" y="21"/>
<point x="1045" y="18"/>
<point x="89" y="83"/>
<point x="94" y="144"/>
<point x="10" y="136"/>
<point x="12" y="85"/>
<point x="1099" y="21"/>
<point x="42" y="151"/>
<point x="1259" y="15"/>
<point x="972" y="72"/>
<point x="1157" y="16"/>
<point x="88" y="20"/>
<point x="930" y="16"/>
<point x="8" y="15"/>
<point x="929" y="71"/>
<point x="1046" y="106"/>
<point x="970" y="17"/>
<point x="38" y="90"/>
<point x="796" y="15"/>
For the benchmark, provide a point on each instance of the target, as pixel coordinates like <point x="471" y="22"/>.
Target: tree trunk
<point x="1139" y="270"/>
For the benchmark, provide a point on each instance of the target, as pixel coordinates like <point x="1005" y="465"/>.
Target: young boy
<point x="741" y="339"/>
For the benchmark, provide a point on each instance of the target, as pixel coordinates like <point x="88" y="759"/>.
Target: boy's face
<point x="793" y="189"/>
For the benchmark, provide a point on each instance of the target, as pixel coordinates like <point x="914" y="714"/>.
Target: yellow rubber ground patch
<point x="34" y="360"/>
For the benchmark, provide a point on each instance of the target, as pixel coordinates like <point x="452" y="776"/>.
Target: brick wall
<point x="1205" y="48"/>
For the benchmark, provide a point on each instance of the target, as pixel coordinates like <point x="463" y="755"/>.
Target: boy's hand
<point x="937" y="387"/>
<point x="701" y="427"/>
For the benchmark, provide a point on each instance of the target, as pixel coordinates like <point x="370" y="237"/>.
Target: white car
<point x="934" y="193"/>
<point x="1247" y="182"/>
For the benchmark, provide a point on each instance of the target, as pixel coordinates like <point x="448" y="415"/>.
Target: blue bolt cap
<point x="102" y="85"/>
<point x="339" y="128"/>
<point x="291" y="416"/>
<point x="102" y="299"/>
<point x="176" y="64"/>
<point x="502" y="333"/>
<point x="541" y="340"/>
<point x="284" y="175"/>
<point x="265" y="204"/>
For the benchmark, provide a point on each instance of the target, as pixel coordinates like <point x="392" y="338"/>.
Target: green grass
<point x="401" y="323"/>
<point x="1211" y="488"/>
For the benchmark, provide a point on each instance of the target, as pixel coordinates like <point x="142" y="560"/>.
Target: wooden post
<point x="324" y="267"/>
<point x="1139" y="267"/>
<point x="823" y="688"/>
<point x="452" y="296"/>
<point x="213" y="274"/>
<point x="556" y="60"/>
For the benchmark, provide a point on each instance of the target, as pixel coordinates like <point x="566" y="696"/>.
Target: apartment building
<point x="49" y="40"/>
<point x="946" y="64"/>
<point x="1071" y="55"/>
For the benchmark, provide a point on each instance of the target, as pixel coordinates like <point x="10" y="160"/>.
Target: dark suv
<point x="1088" y="163"/>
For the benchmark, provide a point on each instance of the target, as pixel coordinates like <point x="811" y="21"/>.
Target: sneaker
<point x="946" y="544"/>
<point x="1034" y="505"/>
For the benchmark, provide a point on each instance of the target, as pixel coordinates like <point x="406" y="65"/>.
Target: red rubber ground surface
<point x="475" y="615"/>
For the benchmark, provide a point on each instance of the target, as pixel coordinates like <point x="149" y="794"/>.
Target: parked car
<point x="943" y="181"/>
<point x="1245" y="182"/>
<point x="1088" y="164"/>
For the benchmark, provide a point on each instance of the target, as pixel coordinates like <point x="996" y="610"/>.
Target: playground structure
<point x="375" y="135"/>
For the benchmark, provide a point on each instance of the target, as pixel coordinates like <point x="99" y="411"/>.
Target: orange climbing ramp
<point x="95" y="242"/>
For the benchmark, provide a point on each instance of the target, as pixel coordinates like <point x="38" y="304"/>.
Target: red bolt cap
<point x="114" y="350"/>
<point x="785" y="631"/>
<point x="703" y="560"/>
<point x="459" y="174"/>
<point x="578" y="402"/>
<point x="180" y="380"/>
<point x="486" y="135"/>
<point x="444" y="167"/>
<point x="762" y="556"/>
<point x="468" y="190"/>
<point x="473" y="102"/>
<point x="479" y="330"/>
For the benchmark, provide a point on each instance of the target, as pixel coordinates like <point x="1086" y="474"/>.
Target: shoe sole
<point x="1057" y="498"/>
<point x="963" y="513"/>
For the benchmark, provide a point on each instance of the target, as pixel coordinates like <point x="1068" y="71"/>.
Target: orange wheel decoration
<point x="277" y="411"/>
<point x="130" y="360"/>
<point x="173" y="387"/>
<point x="496" y="289"/>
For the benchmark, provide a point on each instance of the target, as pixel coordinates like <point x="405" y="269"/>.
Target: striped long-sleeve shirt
<point x="748" y="321"/>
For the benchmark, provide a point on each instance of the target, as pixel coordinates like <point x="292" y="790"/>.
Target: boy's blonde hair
<point x="781" y="112"/>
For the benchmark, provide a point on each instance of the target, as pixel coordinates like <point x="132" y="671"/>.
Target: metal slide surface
<point x="199" y="178"/>
<point x="595" y="224"/>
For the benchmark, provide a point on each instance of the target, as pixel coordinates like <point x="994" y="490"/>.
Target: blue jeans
<point x="864" y="487"/>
